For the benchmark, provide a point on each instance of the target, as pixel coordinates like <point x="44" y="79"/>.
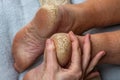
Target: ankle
<point x="80" y="16"/>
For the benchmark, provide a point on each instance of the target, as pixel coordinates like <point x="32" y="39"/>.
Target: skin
<point x="29" y="42"/>
<point x="80" y="65"/>
<point x="111" y="43"/>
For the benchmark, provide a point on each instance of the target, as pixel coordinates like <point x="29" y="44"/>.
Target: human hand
<point x="79" y="68"/>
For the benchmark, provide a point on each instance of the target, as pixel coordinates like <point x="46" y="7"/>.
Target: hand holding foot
<point x="79" y="66"/>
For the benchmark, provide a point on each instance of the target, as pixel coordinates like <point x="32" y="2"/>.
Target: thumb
<point x="50" y="54"/>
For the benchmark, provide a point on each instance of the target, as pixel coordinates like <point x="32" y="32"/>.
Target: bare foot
<point x="28" y="43"/>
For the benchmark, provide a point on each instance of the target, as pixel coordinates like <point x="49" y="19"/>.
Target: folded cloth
<point x="14" y="14"/>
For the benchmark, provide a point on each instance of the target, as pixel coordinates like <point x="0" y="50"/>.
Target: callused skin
<point x="29" y="42"/>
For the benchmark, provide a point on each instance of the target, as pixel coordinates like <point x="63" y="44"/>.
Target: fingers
<point x="95" y="60"/>
<point x="76" y="53"/>
<point x="86" y="52"/>
<point x="50" y="54"/>
<point x="93" y="75"/>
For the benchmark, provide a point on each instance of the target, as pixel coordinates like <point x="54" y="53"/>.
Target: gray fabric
<point x="14" y="14"/>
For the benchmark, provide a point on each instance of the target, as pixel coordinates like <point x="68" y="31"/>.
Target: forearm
<point x="93" y="14"/>
<point x="110" y="43"/>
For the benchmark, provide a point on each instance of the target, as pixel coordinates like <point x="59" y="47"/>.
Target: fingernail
<point x="103" y="53"/>
<point x="71" y="32"/>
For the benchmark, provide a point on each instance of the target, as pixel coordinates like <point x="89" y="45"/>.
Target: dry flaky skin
<point x="26" y="47"/>
<point x="29" y="42"/>
<point x="54" y="2"/>
<point x="63" y="47"/>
